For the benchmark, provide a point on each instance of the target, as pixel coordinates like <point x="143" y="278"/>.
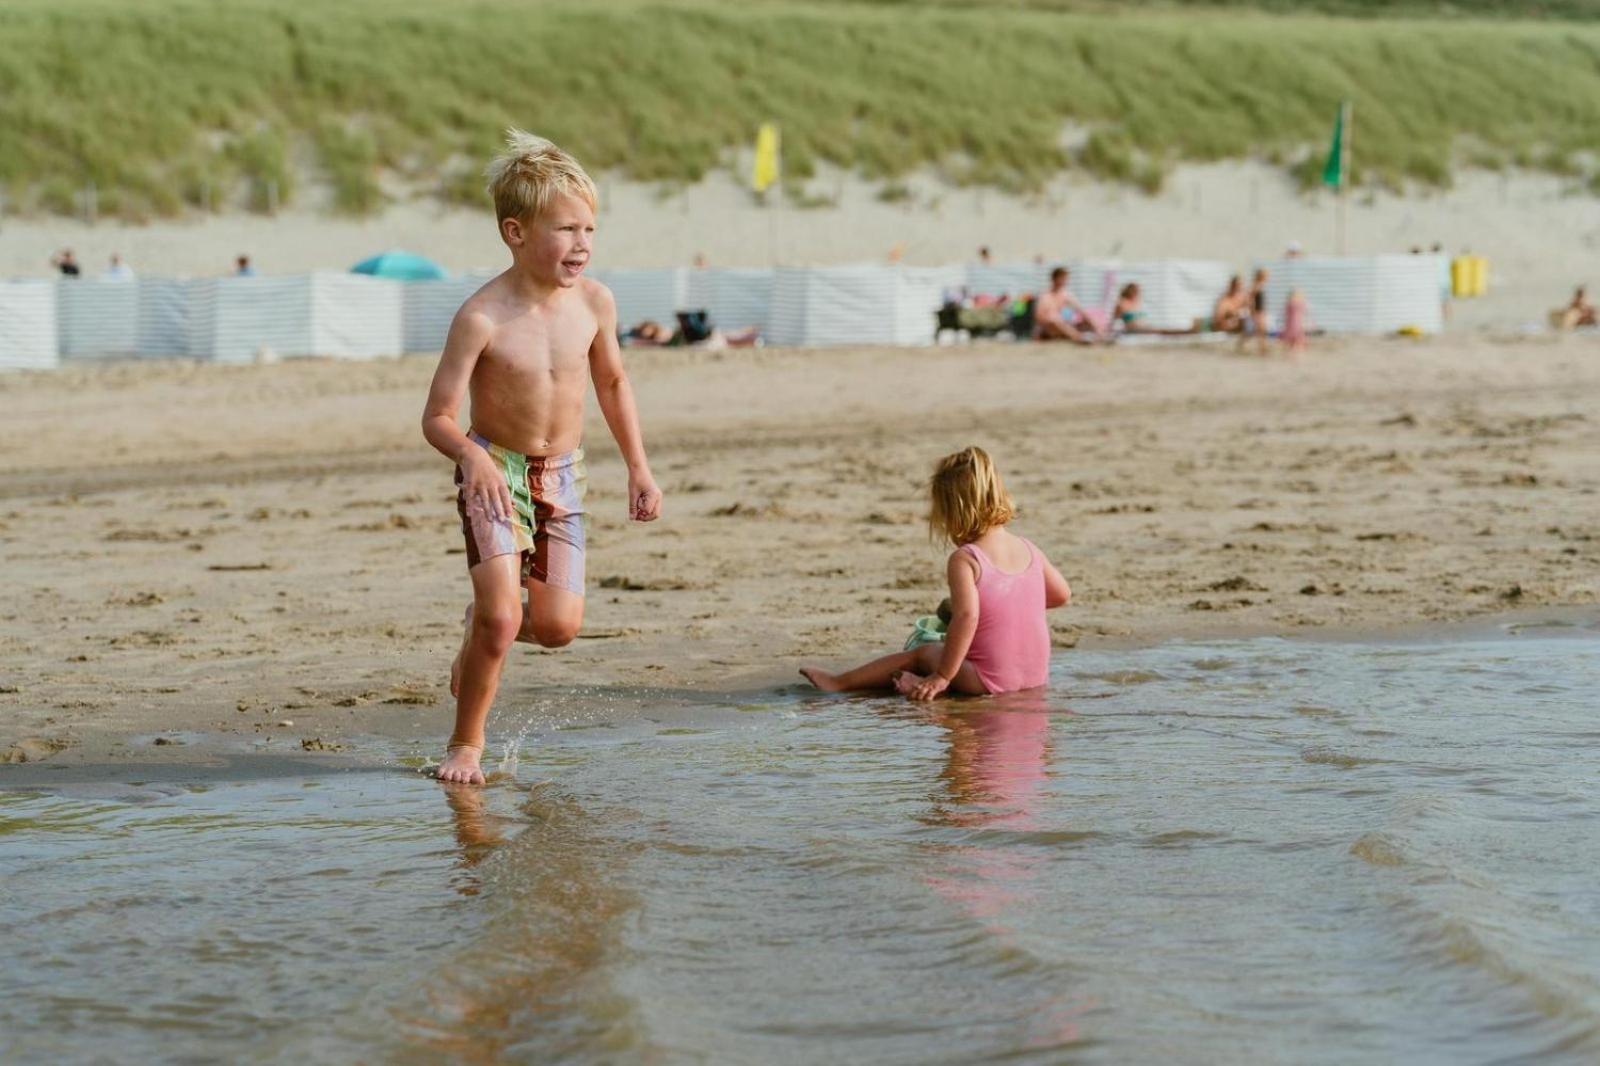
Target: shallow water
<point x="1249" y="851"/>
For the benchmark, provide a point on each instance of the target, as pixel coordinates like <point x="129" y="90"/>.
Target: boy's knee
<point x="496" y="627"/>
<point x="552" y="632"/>
<point x="928" y="656"/>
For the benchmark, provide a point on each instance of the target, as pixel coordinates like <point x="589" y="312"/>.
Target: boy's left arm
<point x="611" y="388"/>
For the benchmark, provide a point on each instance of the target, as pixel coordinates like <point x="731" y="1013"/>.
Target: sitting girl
<point x="1000" y="587"/>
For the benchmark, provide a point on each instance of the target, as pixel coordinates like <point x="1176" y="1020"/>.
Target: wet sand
<point x="268" y="557"/>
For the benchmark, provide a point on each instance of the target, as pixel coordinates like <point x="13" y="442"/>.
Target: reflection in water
<point x="996" y="779"/>
<point x="534" y="984"/>
<point x="477" y="832"/>
<point x="997" y="762"/>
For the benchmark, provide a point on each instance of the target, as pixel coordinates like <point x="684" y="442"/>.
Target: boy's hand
<point x="482" y="486"/>
<point x="644" y="498"/>
<point x="928" y="688"/>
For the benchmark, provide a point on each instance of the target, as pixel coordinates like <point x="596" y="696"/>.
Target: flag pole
<point x="1346" y="118"/>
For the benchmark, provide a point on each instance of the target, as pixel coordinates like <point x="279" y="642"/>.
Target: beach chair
<point x="947" y="317"/>
<point x="693" y="327"/>
<point x="1022" y="321"/>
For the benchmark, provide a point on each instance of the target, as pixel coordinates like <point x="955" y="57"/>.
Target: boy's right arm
<point x="481" y="482"/>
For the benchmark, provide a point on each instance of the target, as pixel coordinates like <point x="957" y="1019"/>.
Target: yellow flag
<point x="766" y="168"/>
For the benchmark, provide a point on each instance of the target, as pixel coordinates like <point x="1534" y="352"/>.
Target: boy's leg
<point x="552" y="617"/>
<point x="496" y="619"/>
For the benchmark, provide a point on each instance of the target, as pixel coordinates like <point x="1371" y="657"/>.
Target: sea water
<point x="1236" y="851"/>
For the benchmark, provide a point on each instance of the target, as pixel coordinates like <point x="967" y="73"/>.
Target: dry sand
<point x="1540" y="232"/>
<point x="224" y="549"/>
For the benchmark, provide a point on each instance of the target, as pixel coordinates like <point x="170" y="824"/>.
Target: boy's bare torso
<point x="529" y="384"/>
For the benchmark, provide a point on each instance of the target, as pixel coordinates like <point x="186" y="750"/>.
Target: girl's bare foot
<point x="460" y="765"/>
<point x="820" y="678"/>
<point x="905" y="681"/>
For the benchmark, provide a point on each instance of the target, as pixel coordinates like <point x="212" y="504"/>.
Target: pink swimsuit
<point x="1011" y="649"/>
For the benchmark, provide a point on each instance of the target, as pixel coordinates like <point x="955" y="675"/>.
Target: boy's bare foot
<point x="460" y="765"/>
<point x="905" y="681"/>
<point x="820" y="678"/>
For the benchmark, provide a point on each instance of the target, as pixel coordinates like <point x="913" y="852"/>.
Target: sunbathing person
<point x="1580" y="312"/>
<point x="1057" y="315"/>
<point x="1129" y="314"/>
<point x="1229" y="313"/>
<point x="648" y="334"/>
<point x="694" y="331"/>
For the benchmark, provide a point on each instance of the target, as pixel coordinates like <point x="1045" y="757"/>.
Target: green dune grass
<point x="168" y="105"/>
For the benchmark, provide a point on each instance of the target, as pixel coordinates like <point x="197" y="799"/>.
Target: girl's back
<point x="1011" y="648"/>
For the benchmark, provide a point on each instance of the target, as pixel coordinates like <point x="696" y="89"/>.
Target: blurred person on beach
<point x="1296" y="322"/>
<point x="242" y="267"/>
<point x="1227" y="316"/>
<point x="1580" y="311"/>
<point x="1256" y="323"/>
<point x="1128" y="314"/>
<point x="1129" y="308"/>
<point x="524" y="349"/>
<point x="983" y="255"/>
<point x="1058" y="316"/>
<point x="694" y="331"/>
<point x="66" y="263"/>
<point x="1446" y="287"/>
<point x="998" y="639"/>
<point x="117" y="270"/>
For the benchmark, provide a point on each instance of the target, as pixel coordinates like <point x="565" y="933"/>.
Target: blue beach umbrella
<point x="406" y="266"/>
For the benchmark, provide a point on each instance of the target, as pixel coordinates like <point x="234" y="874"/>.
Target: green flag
<point x="1333" y="170"/>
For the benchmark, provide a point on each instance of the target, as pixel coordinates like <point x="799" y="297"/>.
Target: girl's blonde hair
<point x="968" y="496"/>
<point x="530" y="172"/>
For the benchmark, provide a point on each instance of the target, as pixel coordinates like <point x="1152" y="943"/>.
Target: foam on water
<point x="1246" y="851"/>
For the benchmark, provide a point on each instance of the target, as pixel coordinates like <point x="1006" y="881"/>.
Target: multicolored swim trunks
<point x="547" y="528"/>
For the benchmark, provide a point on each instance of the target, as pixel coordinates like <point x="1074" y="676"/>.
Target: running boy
<point x="524" y="347"/>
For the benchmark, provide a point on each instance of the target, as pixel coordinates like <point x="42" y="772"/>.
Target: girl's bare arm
<point x="962" y="574"/>
<point x="1057" y="593"/>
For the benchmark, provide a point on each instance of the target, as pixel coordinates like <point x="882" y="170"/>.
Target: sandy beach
<point x="270" y="553"/>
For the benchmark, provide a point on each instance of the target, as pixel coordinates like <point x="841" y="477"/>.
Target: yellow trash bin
<point x="1480" y="274"/>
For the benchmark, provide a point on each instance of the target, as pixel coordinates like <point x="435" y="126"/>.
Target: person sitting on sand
<point x="1051" y="318"/>
<point x="1228" y="314"/>
<point x="525" y="347"/>
<point x="1000" y="587"/>
<point x="1128" y="310"/>
<point x="1580" y="312"/>
<point x="1129" y="315"/>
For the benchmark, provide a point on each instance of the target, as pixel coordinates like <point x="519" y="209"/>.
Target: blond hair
<point x="968" y="497"/>
<point x="530" y="172"/>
